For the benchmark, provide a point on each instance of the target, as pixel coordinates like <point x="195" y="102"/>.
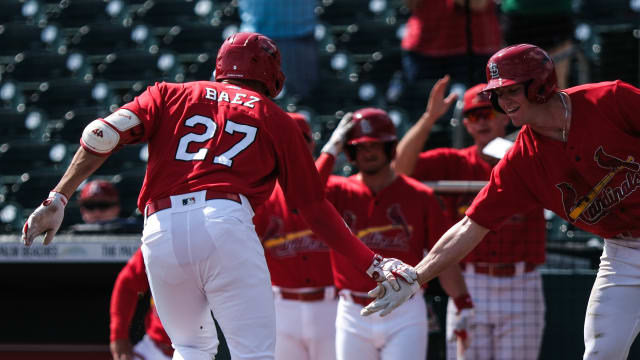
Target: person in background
<point x="291" y="24"/>
<point x="99" y="202"/>
<point x="441" y="39"/>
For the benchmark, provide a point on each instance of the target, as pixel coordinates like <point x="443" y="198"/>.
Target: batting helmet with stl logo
<point x="371" y="125"/>
<point x="251" y="56"/>
<point x="522" y="64"/>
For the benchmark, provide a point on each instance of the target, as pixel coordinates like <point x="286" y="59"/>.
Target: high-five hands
<point x="397" y="283"/>
<point x="46" y="219"/>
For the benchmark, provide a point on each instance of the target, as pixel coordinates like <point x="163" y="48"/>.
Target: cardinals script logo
<point x="596" y="204"/>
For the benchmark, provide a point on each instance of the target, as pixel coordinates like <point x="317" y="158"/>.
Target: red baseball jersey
<point x="211" y="135"/>
<point x="400" y="221"/>
<point x="295" y="256"/>
<point x="590" y="181"/>
<point x="521" y="237"/>
<point x="130" y="284"/>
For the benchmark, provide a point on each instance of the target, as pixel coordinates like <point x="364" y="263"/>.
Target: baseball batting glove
<point x="389" y="298"/>
<point x="390" y="269"/>
<point x="464" y="318"/>
<point x="339" y="136"/>
<point x="47" y="218"/>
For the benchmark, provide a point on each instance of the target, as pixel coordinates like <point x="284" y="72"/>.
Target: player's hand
<point x="389" y="298"/>
<point x="121" y="349"/>
<point x="464" y="318"/>
<point x="339" y="136"/>
<point x="46" y="219"/>
<point x="438" y="104"/>
<point x="390" y="269"/>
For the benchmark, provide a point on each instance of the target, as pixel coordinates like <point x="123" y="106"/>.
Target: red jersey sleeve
<point x="506" y="193"/>
<point x="130" y="283"/>
<point x="433" y="165"/>
<point x="324" y="164"/>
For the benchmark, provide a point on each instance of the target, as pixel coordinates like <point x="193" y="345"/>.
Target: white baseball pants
<point x="508" y="321"/>
<point x="146" y="349"/>
<point x="400" y="335"/>
<point x="204" y="256"/>
<point x="612" y="321"/>
<point x="306" y="330"/>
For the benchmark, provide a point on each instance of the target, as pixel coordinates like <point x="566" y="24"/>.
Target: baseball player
<point x="393" y="215"/>
<point x="575" y="155"/>
<point x="500" y="272"/>
<point x="301" y="277"/>
<point x="215" y="151"/>
<point x="130" y="285"/>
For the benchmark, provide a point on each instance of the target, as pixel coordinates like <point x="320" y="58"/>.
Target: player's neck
<point x="379" y="180"/>
<point x="554" y="118"/>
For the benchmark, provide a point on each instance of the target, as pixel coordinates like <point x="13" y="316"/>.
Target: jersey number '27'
<point x="230" y="127"/>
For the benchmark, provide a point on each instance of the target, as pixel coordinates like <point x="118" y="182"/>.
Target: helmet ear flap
<point x="494" y="102"/>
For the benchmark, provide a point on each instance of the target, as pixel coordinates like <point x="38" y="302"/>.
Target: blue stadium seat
<point x="57" y="97"/>
<point x="29" y="11"/>
<point x="17" y="37"/>
<point x="76" y="13"/>
<point x="102" y="38"/>
<point x="167" y="13"/>
<point x="69" y="128"/>
<point x="194" y="38"/>
<point x="129" y="157"/>
<point x="136" y="65"/>
<point x="18" y="157"/>
<point x="25" y="125"/>
<point x="39" y="66"/>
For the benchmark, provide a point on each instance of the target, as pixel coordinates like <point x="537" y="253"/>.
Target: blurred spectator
<point x="99" y="203"/>
<point x="291" y="24"/>
<point x="548" y="24"/>
<point x="441" y="39"/>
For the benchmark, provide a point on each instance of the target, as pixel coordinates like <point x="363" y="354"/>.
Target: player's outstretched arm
<point x="47" y="218"/>
<point x="455" y="244"/>
<point x="413" y="141"/>
<point x="324" y="221"/>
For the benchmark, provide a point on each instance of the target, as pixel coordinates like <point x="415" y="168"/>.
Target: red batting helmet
<point x="303" y="124"/>
<point x="476" y="98"/>
<point x="371" y="124"/>
<point x="98" y="190"/>
<point x="522" y="63"/>
<point x="250" y="56"/>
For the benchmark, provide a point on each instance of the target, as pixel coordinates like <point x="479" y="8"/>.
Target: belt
<point x="503" y="270"/>
<point x="350" y="296"/>
<point x="304" y="295"/>
<point x="165" y="203"/>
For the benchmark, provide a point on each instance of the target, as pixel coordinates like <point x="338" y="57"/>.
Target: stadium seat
<point x="60" y="96"/>
<point x="12" y="96"/>
<point x="102" y="38"/>
<point x="18" y="157"/>
<point x="25" y="125"/>
<point x="69" y="128"/>
<point x="342" y="12"/>
<point x="167" y="13"/>
<point x="194" y="38"/>
<point x="368" y="36"/>
<point x="18" y="37"/>
<point x="129" y="157"/>
<point x="129" y="184"/>
<point x="137" y="65"/>
<point x="76" y="13"/>
<point x="201" y="68"/>
<point x="39" y="66"/>
<point x="11" y="217"/>
<point x="33" y="187"/>
<point x="29" y="11"/>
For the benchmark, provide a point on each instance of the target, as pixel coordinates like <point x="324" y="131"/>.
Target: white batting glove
<point x="339" y="136"/>
<point x="47" y="219"/>
<point x="389" y="269"/>
<point x="464" y="318"/>
<point x="388" y="298"/>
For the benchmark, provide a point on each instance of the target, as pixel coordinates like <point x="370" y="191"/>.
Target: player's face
<point x="513" y="100"/>
<point x="99" y="211"/>
<point x="371" y="157"/>
<point x="485" y="124"/>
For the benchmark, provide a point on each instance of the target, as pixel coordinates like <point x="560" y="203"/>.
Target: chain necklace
<point x="566" y="118"/>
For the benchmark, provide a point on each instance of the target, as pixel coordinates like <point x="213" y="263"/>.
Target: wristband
<point x="463" y="302"/>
